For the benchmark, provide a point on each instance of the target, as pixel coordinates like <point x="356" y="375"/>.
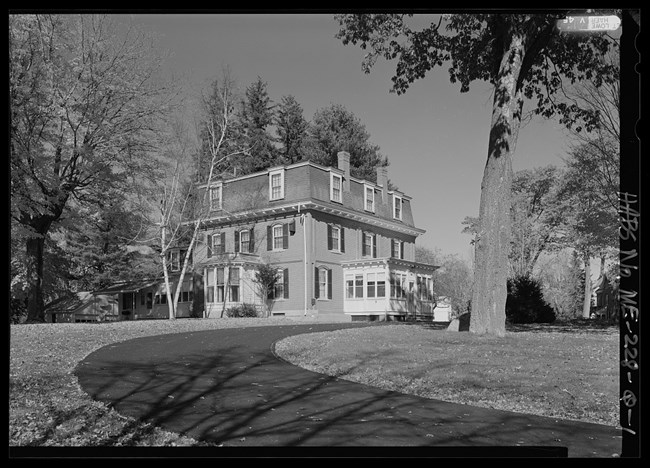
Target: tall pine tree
<point x="255" y="118"/>
<point x="291" y="128"/>
<point x="335" y="129"/>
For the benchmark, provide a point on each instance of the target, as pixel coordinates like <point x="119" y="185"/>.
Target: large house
<point x="344" y="248"/>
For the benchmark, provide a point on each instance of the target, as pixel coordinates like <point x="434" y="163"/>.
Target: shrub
<point x="243" y="310"/>
<point x="525" y="302"/>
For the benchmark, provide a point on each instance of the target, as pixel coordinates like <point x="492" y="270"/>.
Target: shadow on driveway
<point x="227" y="388"/>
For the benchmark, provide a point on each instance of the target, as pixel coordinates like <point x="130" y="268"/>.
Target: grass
<point x="562" y="371"/>
<point x="571" y="373"/>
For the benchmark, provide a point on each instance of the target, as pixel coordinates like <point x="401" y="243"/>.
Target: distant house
<point x="147" y="299"/>
<point x="343" y="247"/>
<point x="83" y="307"/>
<point x="604" y="298"/>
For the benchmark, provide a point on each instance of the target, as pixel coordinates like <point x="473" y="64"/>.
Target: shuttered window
<point x="335" y="238"/>
<point x="322" y="283"/>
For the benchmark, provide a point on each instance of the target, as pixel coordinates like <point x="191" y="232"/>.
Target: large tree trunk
<point x="35" y="310"/>
<point x="34" y="248"/>
<point x="493" y="240"/>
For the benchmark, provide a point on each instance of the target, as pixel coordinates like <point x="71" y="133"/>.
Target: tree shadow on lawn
<point x="236" y="396"/>
<point x="581" y="326"/>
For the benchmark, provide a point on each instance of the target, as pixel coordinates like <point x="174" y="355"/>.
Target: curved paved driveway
<point x="227" y="387"/>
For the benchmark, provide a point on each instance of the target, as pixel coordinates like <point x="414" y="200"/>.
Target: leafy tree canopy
<point x="474" y="45"/>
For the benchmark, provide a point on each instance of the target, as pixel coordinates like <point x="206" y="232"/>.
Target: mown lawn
<point x="565" y="373"/>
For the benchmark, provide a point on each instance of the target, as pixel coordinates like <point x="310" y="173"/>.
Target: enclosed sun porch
<point x="388" y="289"/>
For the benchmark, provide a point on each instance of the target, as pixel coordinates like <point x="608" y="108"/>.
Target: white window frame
<point x="369" y="247"/>
<point x="336" y="247"/>
<point x="241" y="240"/>
<point x="232" y="284"/>
<point x="382" y="275"/>
<point x="401" y="206"/>
<point x="220" y="287"/>
<point x="278" y="287"/>
<point x="216" y="188"/>
<point x="351" y="281"/>
<point x="279" y="172"/>
<point x="400" y="248"/>
<point x="275" y="238"/>
<point x="368" y="189"/>
<point x="214" y="238"/>
<point x="371" y="285"/>
<point x="322" y="282"/>
<point x="340" y="179"/>
<point x="398" y="285"/>
<point x="175" y="260"/>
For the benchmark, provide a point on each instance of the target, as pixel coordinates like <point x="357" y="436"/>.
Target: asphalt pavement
<point x="227" y="388"/>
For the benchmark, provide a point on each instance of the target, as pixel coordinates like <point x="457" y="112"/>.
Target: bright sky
<point x="435" y="138"/>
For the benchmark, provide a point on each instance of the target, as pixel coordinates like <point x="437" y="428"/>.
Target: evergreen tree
<point x="255" y="118"/>
<point x="335" y="129"/>
<point x="291" y="128"/>
<point x="525" y="302"/>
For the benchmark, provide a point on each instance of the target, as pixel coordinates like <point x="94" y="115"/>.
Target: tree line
<point x="104" y="159"/>
<point x="103" y="167"/>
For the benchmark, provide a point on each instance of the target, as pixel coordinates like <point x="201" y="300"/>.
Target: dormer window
<point x="336" y="183"/>
<point x="215" y="197"/>
<point x="276" y="184"/>
<point x="397" y="207"/>
<point x="369" y="198"/>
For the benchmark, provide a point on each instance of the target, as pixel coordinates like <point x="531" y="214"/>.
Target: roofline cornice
<point x="298" y="206"/>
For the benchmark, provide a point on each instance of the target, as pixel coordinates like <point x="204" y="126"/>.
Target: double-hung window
<point x="349" y="286"/>
<point x="398" y="285"/>
<point x="217" y="243"/>
<point x="322" y="283"/>
<point x="397" y="248"/>
<point x="280" y="289"/>
<point x="215" y="197"/>
<point x="174" y="260"/>
<point x="234" y="284"/>
<point x="278" y="237"/>
<point x="376" y="284"/>
<point x="369" y="198"/>
<point x="276" y="184"/>
<point x="245" y="240"/>
<point x="335" y="238"/>
<point x="209" y="285"/>
<point x="397" y="207"/>
<point x="358" y="285"/>
<point x="370" y="285"/>
<point x="220" y="284"/>
<point x="381" y="284"/>
<point x="369" y="247"/>
<point x="336" y="184"/>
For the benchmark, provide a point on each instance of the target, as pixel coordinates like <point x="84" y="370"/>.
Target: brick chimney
<point x="344" y="165"/>
<point x="382" y="179"/>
